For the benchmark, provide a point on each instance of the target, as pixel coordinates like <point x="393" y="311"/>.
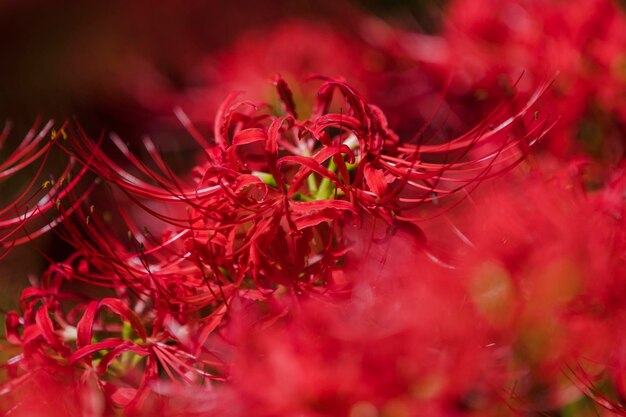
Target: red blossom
<point x="265" y="205"/>
<point x="40" y="202"/>
<point x="325" y="255"/>
<point x="486" y="44"/>
<point x="507" y="327"/>
<point x="267" y="216"/>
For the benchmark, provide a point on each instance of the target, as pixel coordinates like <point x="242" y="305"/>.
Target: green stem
<point x="326" y="188"/>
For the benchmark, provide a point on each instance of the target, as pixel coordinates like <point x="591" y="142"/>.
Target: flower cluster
<point x="530" y="325"/>
<point x="318" y="258"/>
<point x="487" y="43"/>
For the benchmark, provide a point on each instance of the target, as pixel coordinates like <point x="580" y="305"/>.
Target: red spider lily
<point x="518" y="326"/>
<point x="393" y="345"/>
<point x="122" y="343"/>
<point x="267" y="204"/>
<point x="318" y="261"/>
<point x="42" y="196"/>
<point x="267" y="211"/>
<point x="485" y="44"/>
<point x="544" y="264"/>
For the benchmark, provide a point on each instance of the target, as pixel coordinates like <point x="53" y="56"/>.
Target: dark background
<point x="62" y="58"/>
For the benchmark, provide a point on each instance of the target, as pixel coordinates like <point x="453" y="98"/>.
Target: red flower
<point x="267" y="204"/>
<point x="268" y="212"/>
<point x="486" y="45"/>
<point x="39" y="200"/>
